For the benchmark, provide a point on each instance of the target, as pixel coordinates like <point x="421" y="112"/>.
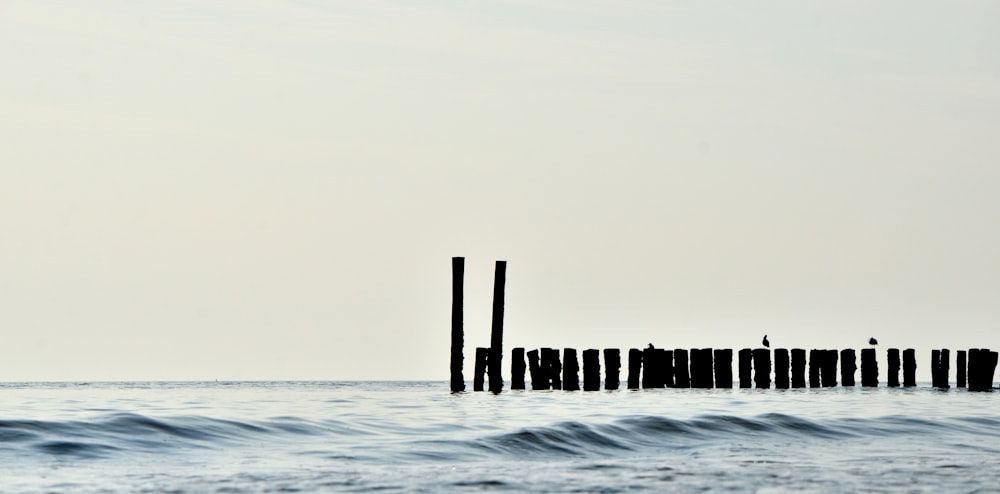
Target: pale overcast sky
<point x="274" y="189"/>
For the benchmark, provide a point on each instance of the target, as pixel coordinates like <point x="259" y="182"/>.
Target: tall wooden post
<point x="781" y="366"/>
<point x="650" y="372"/>
<point x="591" y="370"/>
<point x="909" y="367"/>
<point x="634" y="367"/>
<point x="682" y="376"/>
<point x="539" y="377"/>
<point x="960" y="367"/>
<point x="552" y="367"/>
<point x="829" y="371"/>
<point x="496" y="333"/>
<point x="723" y="366"/>
<point x="893" y="361"/>
<point x="457" y="333"/>
<point x="667" y="368"/>
<point x="517" y="368"/>
<point x="612" y="368"/>
<point x="762" y="368"/>
<point x="701" y="368"/>
<point x="798" y="368"/>
<point x="746" y="364"/>
<point x="869" y="368"/>
<point x="848" y="366"/>
<point x="815" y="366"/>
<point x="571" y="370"/>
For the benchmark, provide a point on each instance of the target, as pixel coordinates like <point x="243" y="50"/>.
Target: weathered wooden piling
<point x="665" y="361"/>
<point x="762" y="368"/>
<point x="591" y="370"/>
<point x="552" y="367"/>
<point x="496" y="332"/>
<point x="960" y="368"/>
<point x="571" y="370"/>
<point x="457" y="332"/>
<point x="909" y="367"/>
<point x="848" y="366"/>
<point x="982" y="366"/>
<point x="634" y="367"/>
<point x="746" y="364"/>
<point x="892" y="357"/>
<point x="479" y="377"/>
<point x="939" y="368"/>
<point x="650" y="371"/>
<point x="798" y="368"/>
<point x="869" y="368"/>
<point x="701" y="368"/>
<point x="612" y="368"/>
<point x="517" y="368"/>
<point x="781" y="367"/>
<point x="815" y="366"/>
<point x="539" y="378"/>
<point x="828" y="372"/>
<point x="723" y="366"/>
<point x="682" y="378"/>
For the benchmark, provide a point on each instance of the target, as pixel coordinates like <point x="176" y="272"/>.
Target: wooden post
<point x="496" y="333"/>
<point x="939" y="368"/>
<point x="798" y="368"/>
<point x="571" y="370"/>
<point x="682" y="377"/>
<point x="482" y="355"/>
<point x="781" y="366"/>
<point x="828" y="373"/>
<point x="815" y="365"/>
<point x="649" y="371"/>
<point x="982" y="366"/>
<point x="539" y="379"/>
<point x="945" y="367"/>
<point x="666" y="363"/>
<point x="893" y="360"/>
<point x="909" y="367"/>
<point x="723" y="364"/>
<point x="746" y="363"/>
<point x="960" y="367"/>
<point x="701" y="368"/>
<point x="762" y="368"/>
<point x="457" y="332"/>
<point x="591" y="370"/>
<point x="612" y="368"/>
<point x="848" y="366"/>
<point x="634" y="367"/>
<point x="869" y="368"/>
<point x="517" y="368"/>
<point x="552" y="367"/>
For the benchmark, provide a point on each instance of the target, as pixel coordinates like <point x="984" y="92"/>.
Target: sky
<point x="252" y="189"/>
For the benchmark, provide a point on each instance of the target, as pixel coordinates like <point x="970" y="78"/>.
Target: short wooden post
<point x="798" y="368"/>
<point x="723" y="366"/>
<point x="539" y="378"/>
<point x="848" y="366"/>
<point x="762" y="368"/>
<point x="496" y="332"/>
<point x="482" y="354"/>
<point x="571" y="370"/>
<point x="909" y="367"/>
<point x="666" y="365"/>
<point x="945" y="367"/>
<point x="517" y="368"/>
<point x="815" y="366"/>
<point x="781" y="368"/>
<point x="457" y="332"/>
<point x="960" y="368"/>
<point x="591" y="370"/>
<point x="894" y="365"/>
<point x="982" y="366"/>
<point x="869" y="368"/>
<point x="701" y="368"/>
<point x="828" y="373"/>
<point x="939" y="368"/>
<point x="746" y="364"/>
<point x="552" y="367"/>
<point x="650" y="372"/>
<point x="612" y="368"/>
<point x="682" y="377"/>
<point x="634" y="367"/>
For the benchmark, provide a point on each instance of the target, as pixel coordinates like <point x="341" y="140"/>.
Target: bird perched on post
<point x="767" y="344"/>
<point x="872" y="341"/>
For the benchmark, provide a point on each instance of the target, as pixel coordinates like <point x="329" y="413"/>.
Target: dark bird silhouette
<point x="767" y="344"/>
<point x="872" y="341"/>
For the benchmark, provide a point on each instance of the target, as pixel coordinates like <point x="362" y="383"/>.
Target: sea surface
<point x="418" y="437"/>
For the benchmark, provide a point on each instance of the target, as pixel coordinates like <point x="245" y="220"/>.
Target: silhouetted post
<point x="591" y="370"/>
<point x="991" y="367"/>
<point x="682" y="377"/>
<point x="539" y="378"/>
<point x="517" y="368"/>
<point x="815" y="365"/>
<point x="982" y="365"/>
<point x="762" y="368"/>
<point x="909" y="367"/>
<point x="829" y="372"/>
<point x="496" y="333"/>
<point x="960" y="368"/>
<point x="848" y="365"/>
<point x="945" y="367"/>
<point x="612" y="368"/>
<point x="457" y="333"/>
<point x="634" y="367"/>
<point x="781" y="366"/>
<point x="723" y="364"/>
<point x="649" y="371"/>
<point x="666" y="364"/>
<point x="798" y="368"/>
<point x="893" y="360"/>
<point x="482" y="355"/>
<point x="746" y="363"/>
<point x="552" y="367"/>
<point x="571" y="370"/>
<point x="869" y="368"/>
<point x="939" y="368"/>
<point x="701" y="368"/>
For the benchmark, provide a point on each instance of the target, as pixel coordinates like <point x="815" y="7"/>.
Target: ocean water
<point x="418" y="437"/>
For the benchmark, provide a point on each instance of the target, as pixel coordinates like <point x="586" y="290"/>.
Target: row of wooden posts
<point x="698" y="368"/>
